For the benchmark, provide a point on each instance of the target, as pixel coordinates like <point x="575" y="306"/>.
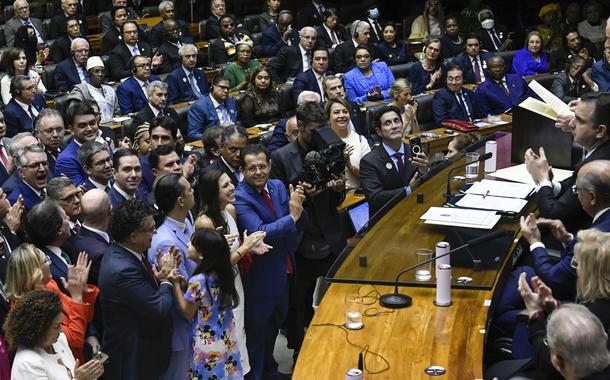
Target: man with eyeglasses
<point x="33" y="169"/>
<point x="133" y="92"/>
<point x="82" y="123"/>
<point x="22" y="17"/>
<point x="62" y="190"/>
<point x="171" y="42"/>
<point x="61" y="48"/>
<point x="73" y="70"/>
<point x="18" y="142"/>
<point x="58" y="22"/>
<point x="49" y="130"/>
<point x="186" y="83"/>
<point x="107" y="19"/>
<point x="592" y="189"/>
<point x="290" y="61"/>
<point x="97" y="163"/>
<point x="501" y="90"/>
<point x="223" y="48"/>
<point x="22" y="109"/>
<point x="130" y="47"/>
<point x="217" y="108"/>
<point x="166" y="11"/>
<point x="454" y="101"/>
<point x="574" y="81"/>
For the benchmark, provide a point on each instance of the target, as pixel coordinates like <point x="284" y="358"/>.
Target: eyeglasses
<point x="71" y="197"/>
<point x="143" y="66"/>
<point x="36" y="165"/>
<point x="574" y="263"/>
<point x="228" y="25"/>
<point x="576" y="189"/>
<point x="46" y="260"/>
<point x="103" y="162"/>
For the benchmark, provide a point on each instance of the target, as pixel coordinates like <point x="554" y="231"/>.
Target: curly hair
<point x="128" y="218"/>
<point x="27" y="325"/>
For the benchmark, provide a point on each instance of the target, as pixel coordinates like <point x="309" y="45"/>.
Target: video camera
<point x="326" y="161"/>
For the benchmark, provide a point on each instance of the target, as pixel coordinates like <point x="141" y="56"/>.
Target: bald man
<point x="96" y="211"/>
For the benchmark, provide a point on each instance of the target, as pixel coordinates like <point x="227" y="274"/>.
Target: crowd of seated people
<point x="163" y="230"/>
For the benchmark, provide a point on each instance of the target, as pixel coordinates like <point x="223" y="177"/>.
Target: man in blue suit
<point x="24" y="106"/>
<point x="473" y="61"/>
<point x="132" y="92"/>
<point x="454" y="101"/>
<point x="263" y="204"/>
<point x="277" y="36"/>
<point x="213" y="109"/>
<point x="593" y="187"/>
<point x="312" y="79"/>
<point x="127" y="177"/>
<point x="186" y="83"/>
<point x="33" y="169"/>
<point x="83" y="126"/>
<point x="47" y="228"/>
<point x="500" y="91"/>
<point x="49" y="130"/>
<point x="174" y="196"/>
<point x="136" y="298"/>
<point x="73" y="70"/>
<point x="95" y="158"/>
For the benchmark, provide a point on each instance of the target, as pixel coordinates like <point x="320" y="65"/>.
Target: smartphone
<point x="416" y="147"/>
<point x="101" y="357"/>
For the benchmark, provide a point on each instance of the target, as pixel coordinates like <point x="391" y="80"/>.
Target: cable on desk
<point x="364" y="350"/>
<point x="370" y="298"/>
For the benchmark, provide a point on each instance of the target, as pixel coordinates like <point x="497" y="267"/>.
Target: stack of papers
<point x="518" y="173"/>
<point x="492" y="203"/>
<point x="496" y="195"/>
<point x="501" y="189"/>
<point x="461" y="217"/>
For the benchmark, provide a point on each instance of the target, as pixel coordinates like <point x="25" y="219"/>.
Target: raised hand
<point x="297" y="197"/>
<point x="254" y="243"/>
<point x="529" y="229"/>
<point x="91" y="370"/>
<point x="557" y="228"/>
<point x="167" y="263"/>
<point x="78" y="274"/>
<point x="13" y="217"/>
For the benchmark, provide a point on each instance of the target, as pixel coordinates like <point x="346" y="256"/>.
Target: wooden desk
<point x="351" y="199"/>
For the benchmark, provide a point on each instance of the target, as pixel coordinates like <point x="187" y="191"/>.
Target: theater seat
<point x="286" y="100"/>
<point x="546" y="80"/>
<point x="183" y="114"/>
<point x="508" y="59"/>
<point x="151" y="10"/>
<point x="402" y="70"/>
<point x="251" y="24"/>
<point x="202" y="24"/>
<point x="48" y="78"/>
<point x="425" y="117"/>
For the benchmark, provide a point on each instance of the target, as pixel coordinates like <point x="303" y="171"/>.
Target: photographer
<point x="322" y="239"/>
<point x="393" y="166"/>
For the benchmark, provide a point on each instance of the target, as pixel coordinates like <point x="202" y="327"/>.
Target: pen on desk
<point x="486" y="194"/>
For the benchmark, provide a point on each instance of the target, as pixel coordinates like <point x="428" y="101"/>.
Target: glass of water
<point x="472" y="169"/>
<point x="424" y="272"/>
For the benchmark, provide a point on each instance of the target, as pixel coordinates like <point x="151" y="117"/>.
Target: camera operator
<point x="322" y="238"/>
<point x="392" y="166"/>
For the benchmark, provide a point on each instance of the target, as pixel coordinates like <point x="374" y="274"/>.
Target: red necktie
<point x="269" y="203"/>
<point x="3" y="157"/>
<point x="149" y="272"/>
<point x="333" y="37"/>
<point x="400" y="164"/>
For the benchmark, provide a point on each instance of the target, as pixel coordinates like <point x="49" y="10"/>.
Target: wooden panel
<point x="194" y="29"/>
<point x="410" y="339"/>
<point x="150" y="21"/>
<point x="95" y="43"/>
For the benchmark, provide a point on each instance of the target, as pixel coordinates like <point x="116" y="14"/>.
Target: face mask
<point x="487" y="24"/>
<point x="374" y="13"/>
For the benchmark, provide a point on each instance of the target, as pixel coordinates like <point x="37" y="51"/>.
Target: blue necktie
<point x="194" y="86"/>
<point x="495" y="39"/>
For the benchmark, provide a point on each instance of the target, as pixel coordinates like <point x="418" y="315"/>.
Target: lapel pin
<point x="184" y="80"/>
<point x="388" y="166"/>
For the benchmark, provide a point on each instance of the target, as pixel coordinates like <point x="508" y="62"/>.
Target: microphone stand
<point x="448" y="194"/>
<point x="397" y="301"/>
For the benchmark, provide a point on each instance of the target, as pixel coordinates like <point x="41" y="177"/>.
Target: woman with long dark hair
<point x="261" y="104"/>
<point x="15" y="62"/>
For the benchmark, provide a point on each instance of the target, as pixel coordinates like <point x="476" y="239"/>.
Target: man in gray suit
<point x="22" y="17"/>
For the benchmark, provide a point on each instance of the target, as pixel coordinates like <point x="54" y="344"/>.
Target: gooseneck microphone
<point x="482" y="158"/>
<point x="397" y="301"/>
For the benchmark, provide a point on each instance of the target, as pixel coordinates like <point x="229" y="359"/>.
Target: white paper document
<point x="460" y="216"/>
<point x="501" y="204"/>
<point x="549" y="98"/>
<point x="501" y="189"/>
<point x="518" y="173"/>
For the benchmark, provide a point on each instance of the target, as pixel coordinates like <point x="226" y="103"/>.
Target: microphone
<point x="482" y="158"/>
<point x="398" y="301"/>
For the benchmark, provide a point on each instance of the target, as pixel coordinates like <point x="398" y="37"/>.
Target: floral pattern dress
<point x="215" y="353"/>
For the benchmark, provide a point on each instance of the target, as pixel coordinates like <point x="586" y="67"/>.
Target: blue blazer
<point x="600" y="74"/>
<point x="278" y="138"/>
<point x="131" y="96"/>
<point x="267" y="275"/>
<point x="524" y="64"/>
<point x="170" y="233"/>
<point x="58" y="268"/>
<point x="89" y="241"/>
<point x="202" y="116"/>
<point x="445" y="106"/>
<point x="179" y="89"/>
<point x="66" y="75"/>
<point x="271" y="40"/>
<point x="68" y="164"/>
<point x="117" y="199"/>
<point x="16" y="119"/>
<point x="30" y="198"/>
<point x="137" y="324"/>
<point x="463" y="60"/>
<point x="306" y="81"/>
<point x="356" y="85"/>
<point x="493" y="98"/>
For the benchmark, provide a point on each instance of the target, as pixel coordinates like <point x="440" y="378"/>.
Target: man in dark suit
<point x="132" y="92"/>
<point x="293" y="60"/>
<point x="277" y="36"/>
<point x="62" y="190"/>
<point x="157" y="98"/>
<point x="186" y="83"/>
<point x="136" y="299"/>
<point x="24" y="106"/>
<point x="311" y="80"/>
<point x="129" y="48"/>
<point x="500" y="91"/>
<point x="360" y="33"/>
<point x="112" y="37"/>
<point x="17" y="143"/>
<point x="391" y="167"/>
<point x="473" y="61"/>
<point x="493" y="38"/>
<point x="227" y="41"/>
<point x="573" y="82"/>
<point x="5" y="157"/>
<point x="264" y="204"/>
<point x="97" y="162"/>
<point x="49" y="130"/>
<point x="58" y="22"/>
<point x="372" y="17"/>
<point x="322" y="238"/>
<point x="33" y="172"/>
<point x="61" y="48"/>
<point x="166" y="10"/>
<point x="73" y="69"/>
<point x="106" y="19"/>
<point x="557" y="200"/>
<point x="331" y="33"/>
<point x="127" y="177"/>
<point x="82" y="123"/>
<point x="212" y="27"/>
<point x="454" y="101"/>
<point x="171" y="42"/>
<point x="217" y="108"/>
<point x="22" y="17"/>
<point x="311" y="14"/>
<point x="233" y="139"/>
<point x="574" y="45"/>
